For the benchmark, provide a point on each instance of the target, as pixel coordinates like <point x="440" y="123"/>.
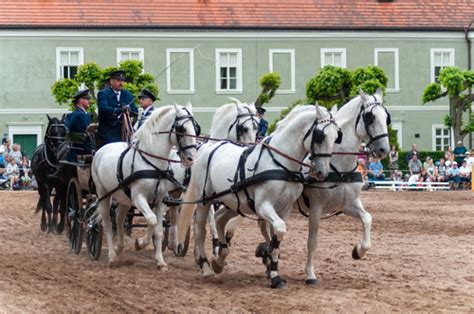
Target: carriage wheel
<point x="185" y="247"/>
<point x="75" y="230"/>
<point x="94" y="240"/>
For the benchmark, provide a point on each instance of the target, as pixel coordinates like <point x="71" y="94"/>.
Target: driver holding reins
<point x="112" y="102"/>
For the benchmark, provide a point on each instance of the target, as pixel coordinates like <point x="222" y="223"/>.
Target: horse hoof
<point x="207" y="272"/>
<point x="179" y="250"/>
<point x="137" y="245"/>
<point x="312" y="282"/>
<point x="60" y="230"/>
<point x="355" y="255"/>
<point x="44" y="227"/>
<point x="162" y="267"/>
<point x="114" y="264"/>
<point x="278" y="283"/>
<point x="216" y="268"/>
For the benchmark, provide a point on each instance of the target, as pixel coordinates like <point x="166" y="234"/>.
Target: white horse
<point x="114" y="163"/>
<point x="370" y="120"/>
<point x="234" y="121"/>
<point x="274" y="167"/>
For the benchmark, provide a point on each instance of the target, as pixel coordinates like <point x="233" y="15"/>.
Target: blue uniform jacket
<point x="77" y="122"/>
<point x="262" y="128"/>
<point x="110" y="125"/>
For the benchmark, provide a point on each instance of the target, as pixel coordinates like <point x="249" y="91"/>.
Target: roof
<point x="239" y="14"/>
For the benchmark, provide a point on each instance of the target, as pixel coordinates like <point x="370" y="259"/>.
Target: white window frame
<point x="334" y="50"/>
<point x="398" y="126"/>
<point x="59" y="50"/>
<point x="191" y="89"/>
<point x="396" y="88"/>
<point x="20" y="128"/>
<point x="239" y="85"/>
<point x="271" y="52"/>
<point x="433" y="51"/>
<point x="141" y="54"/>
<point x="433" y="135"/>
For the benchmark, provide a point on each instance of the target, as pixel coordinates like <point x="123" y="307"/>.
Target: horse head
<point x="245" y="126"/>
<point x="55" y="133"/>
<point x="372" y="123"/>
<point x="185" y="130"/>
<point x="319" y="141"/>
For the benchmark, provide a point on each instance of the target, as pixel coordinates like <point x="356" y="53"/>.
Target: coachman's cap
<point x="81" y="94"/>
<point x="147" y="94"/>
<point x="118" y="75"/>
<point x="261" y="110"/>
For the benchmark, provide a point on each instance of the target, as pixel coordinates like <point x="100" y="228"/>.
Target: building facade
<point x="206" y="65"/>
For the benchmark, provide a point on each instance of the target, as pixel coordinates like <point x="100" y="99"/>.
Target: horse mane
<point x="145" y="133"/>
<point x="292" y="115"/>
<point x="351" y="108"/>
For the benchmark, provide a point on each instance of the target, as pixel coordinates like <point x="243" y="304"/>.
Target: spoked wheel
<point x="75" y="230"/>
<point x="94" y="234"/>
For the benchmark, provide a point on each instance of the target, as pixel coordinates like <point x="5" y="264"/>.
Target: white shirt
<point x="465" y="170"/>
<point x="11" y="170"/>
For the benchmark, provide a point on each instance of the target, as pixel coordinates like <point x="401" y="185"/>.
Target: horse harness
<point x="155" y="173"/>
<point x="368" y="117"/>
<point x="241" y="182"/>
<point x="239" y="125"/>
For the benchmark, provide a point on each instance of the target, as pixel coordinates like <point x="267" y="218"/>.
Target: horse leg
<point x="104" y="213"/>
<point x="142" y="204"/>
<point x="56" y="204"/>
<point x="122" y="211"/>
<point x="221" y="219"/>
<point x="62" y="211"/>
<point x="42" y="203"/>
<point x="212" y="225"/>
<point x="313" y="228"/>
<point x="202" y="211"/>
<point x="356" y="209"/>
<point x="267" y="212"/>
<point x="49" y="210"/>
<point x="173" y="228"/>
<point x="158" y="229"/>
<point x="231" y="226"/>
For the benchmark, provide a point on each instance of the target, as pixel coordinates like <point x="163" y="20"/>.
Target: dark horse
<point x="46" y="169"/>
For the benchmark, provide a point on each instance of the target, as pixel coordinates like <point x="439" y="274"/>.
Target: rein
<point x="204" y="138"/>
<point x="286" y="156"/>
<point x="152" y="155"/>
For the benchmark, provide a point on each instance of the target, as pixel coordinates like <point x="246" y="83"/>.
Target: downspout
<point x="469" y="67"/>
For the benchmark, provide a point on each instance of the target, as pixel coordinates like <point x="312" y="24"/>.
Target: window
<point x="333" y="56"/>
<point x="387" y="59"/>
<point x="440" y="58"/>
<point x="441" y="137"/>
<point x="282" y="61"/>
<point x="180" y="70"/>
<point x="130" y="54"/>
<point x="228" y="71"/>
<point x="67" y="62"/>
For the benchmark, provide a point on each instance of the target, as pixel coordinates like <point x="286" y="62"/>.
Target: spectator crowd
<point x="455" y="167"/>
<point x="15" y="167"/>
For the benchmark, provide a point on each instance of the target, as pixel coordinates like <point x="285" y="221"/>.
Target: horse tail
<point x="187" y="211"/>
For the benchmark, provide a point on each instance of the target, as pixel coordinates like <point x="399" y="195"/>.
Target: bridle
<point x="178" y="129"/>
<point x="318" y="135"/>
<point x="368" y="118"/>
<point x="50" y="138"/>
<point x="239" y="125"/>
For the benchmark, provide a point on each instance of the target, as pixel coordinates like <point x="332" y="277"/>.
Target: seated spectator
<point x="448" y="154"/>
<point x="375" y="170"/>
<point x="414" y="165"/>
<point x="454" y="176"/>
<point x="465" y="174"/>
<point x="3" y="179"/>
<point x="12" y="172"/>
<point x="470" y="159"/>
<point x="430" y="169"/>
<point x="362" y="153"/>
<point x="442" y="171"/>
<point x="25" y="172"/>
<point x="16" y="153"/>
<point x="4" y="151"/>
<point x="361" y="168"/>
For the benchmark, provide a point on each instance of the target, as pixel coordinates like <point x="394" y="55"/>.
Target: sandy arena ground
<point x="422" y="259"/>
